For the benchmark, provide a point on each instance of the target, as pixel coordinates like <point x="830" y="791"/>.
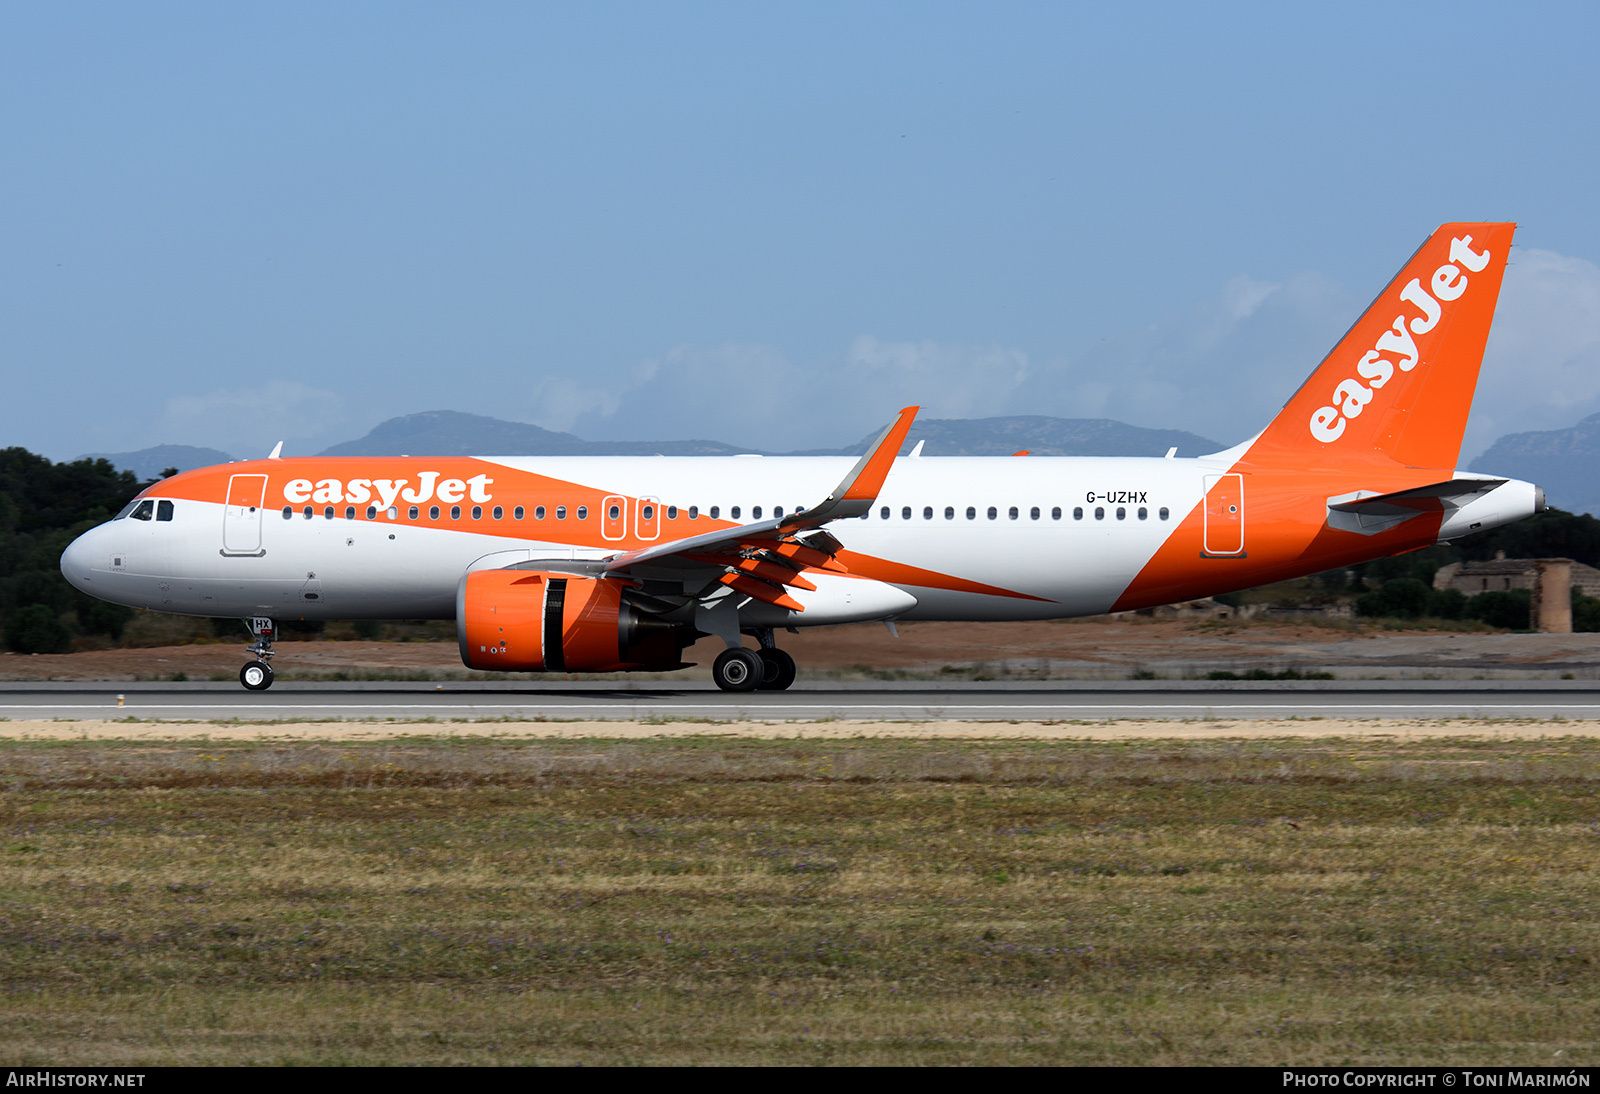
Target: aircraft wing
<point x="760" y="559"/>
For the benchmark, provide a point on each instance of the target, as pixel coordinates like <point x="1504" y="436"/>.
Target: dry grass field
<point x="806" y="902"/>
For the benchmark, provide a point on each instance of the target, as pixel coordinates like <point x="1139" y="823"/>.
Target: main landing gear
<point x="257" y="675"/>
<point x="766" y="669"/>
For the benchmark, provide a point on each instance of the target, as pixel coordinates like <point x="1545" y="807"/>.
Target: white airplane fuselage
<point x="620" y="562"/>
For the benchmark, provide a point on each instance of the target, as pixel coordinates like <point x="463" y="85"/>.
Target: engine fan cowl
<point x="539" y="621"/>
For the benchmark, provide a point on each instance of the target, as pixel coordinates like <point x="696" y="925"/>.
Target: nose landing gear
<point x="257" y="675"/>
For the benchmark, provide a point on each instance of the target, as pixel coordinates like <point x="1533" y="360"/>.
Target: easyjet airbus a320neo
<point x="620" y="563"/>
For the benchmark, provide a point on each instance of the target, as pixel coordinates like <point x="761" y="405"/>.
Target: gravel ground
<point x="1074" y="649"/>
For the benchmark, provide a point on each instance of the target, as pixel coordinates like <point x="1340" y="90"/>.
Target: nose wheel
<point x="256" y="676"/>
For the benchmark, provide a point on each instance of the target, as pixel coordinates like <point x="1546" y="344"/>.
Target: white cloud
<point x="1221" y="369"/>
<point x="755" y="395"/>
<point x="559" y="401"/>
<point x="248" y="421"/>
<point x="1541" y="369"/>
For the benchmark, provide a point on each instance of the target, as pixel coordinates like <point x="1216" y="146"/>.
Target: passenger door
<point x="1224" y="528"/>
<point x="241" y="516"/>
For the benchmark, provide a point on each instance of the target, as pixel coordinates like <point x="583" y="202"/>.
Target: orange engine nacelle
<point x="537" y="621"/>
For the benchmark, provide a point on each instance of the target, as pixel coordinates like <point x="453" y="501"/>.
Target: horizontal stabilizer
<point x="1367" y="513"/>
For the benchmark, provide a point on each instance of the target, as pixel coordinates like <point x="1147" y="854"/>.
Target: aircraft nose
<point x="77" y="561"/>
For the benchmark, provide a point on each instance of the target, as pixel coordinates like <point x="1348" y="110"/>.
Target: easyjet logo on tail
<point x="1397" y="347"/>
<point x="361" y="491"/>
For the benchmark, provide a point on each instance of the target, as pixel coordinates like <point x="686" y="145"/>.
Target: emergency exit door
<point x="1224" y="525"/>
<point x="647" y="524"/>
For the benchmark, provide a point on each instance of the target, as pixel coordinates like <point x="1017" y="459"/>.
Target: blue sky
<point x="773" y="225"/>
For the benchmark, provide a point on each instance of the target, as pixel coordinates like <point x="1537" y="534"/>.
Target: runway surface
<point x="889" y="701"/>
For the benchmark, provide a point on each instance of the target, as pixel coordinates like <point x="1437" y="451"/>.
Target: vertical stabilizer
<point x="1399" y="385"/>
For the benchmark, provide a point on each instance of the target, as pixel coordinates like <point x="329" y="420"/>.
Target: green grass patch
<point x="711" y="899"/>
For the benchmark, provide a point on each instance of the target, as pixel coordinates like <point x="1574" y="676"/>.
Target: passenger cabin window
<point x="477" y="512"/>
<point x="308" y="512"/>
<point x="927" y="512"/>
<point x="499" y="513"/>
<point x="972" y="513"/>
<point x="1012" y="513"/>
<point x="288" y="511"/>
<point x="614" y="512"/>
<point x="372" y="512"/>
<point x="1033" y="513"/>
<point x="1144" y="514"/>
<point x="905" y="514"/>
<point x="734" y="513"/>
<point x="517" y="513"/>
<point x="949" y="512"/>
<point x="413" y="512"/>
<point x="755" y="513"/>
<point x="433" y="512"/>
<point x="538" y="512"/>
<point x="349" y="512"/>
<point x="1077" y="512"/>
<point x="561" y="512"/>
<point x="694" y="512"/>
<point x="327" y="512"/>
<point x="1162" y="512"/>
<point x="672" y="512"/>
<point x="715" y="509"/>
<point x="1055" y="514"/>
<point x="455" y="512"/>
<point x="777" y="511"/>
<point x="163" y="510"/>
<point x="993" y="512"/>
<point x="583" y="512"/>
<point x="884" y="513"/>
<point x="1099" y="513"/>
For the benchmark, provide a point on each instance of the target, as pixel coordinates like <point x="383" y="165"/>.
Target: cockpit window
<point x="163" y="510"/>
<point x="144" y="510"/>
<point x="126" y="509"/>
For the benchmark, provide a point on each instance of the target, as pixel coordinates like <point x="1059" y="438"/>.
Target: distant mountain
<point x="1040" y="436"/>
<point x="451" y="433"/>
<point x="148" y="463"/>
<point x="1566" y="462"/>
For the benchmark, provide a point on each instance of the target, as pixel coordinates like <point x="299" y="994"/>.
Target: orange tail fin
<point x="1399" y="384"/>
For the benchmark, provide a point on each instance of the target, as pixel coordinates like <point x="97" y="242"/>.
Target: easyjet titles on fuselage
<point x="361" y="491"/>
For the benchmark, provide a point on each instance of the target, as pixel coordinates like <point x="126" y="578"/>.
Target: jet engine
<point x="539" y="621"/>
